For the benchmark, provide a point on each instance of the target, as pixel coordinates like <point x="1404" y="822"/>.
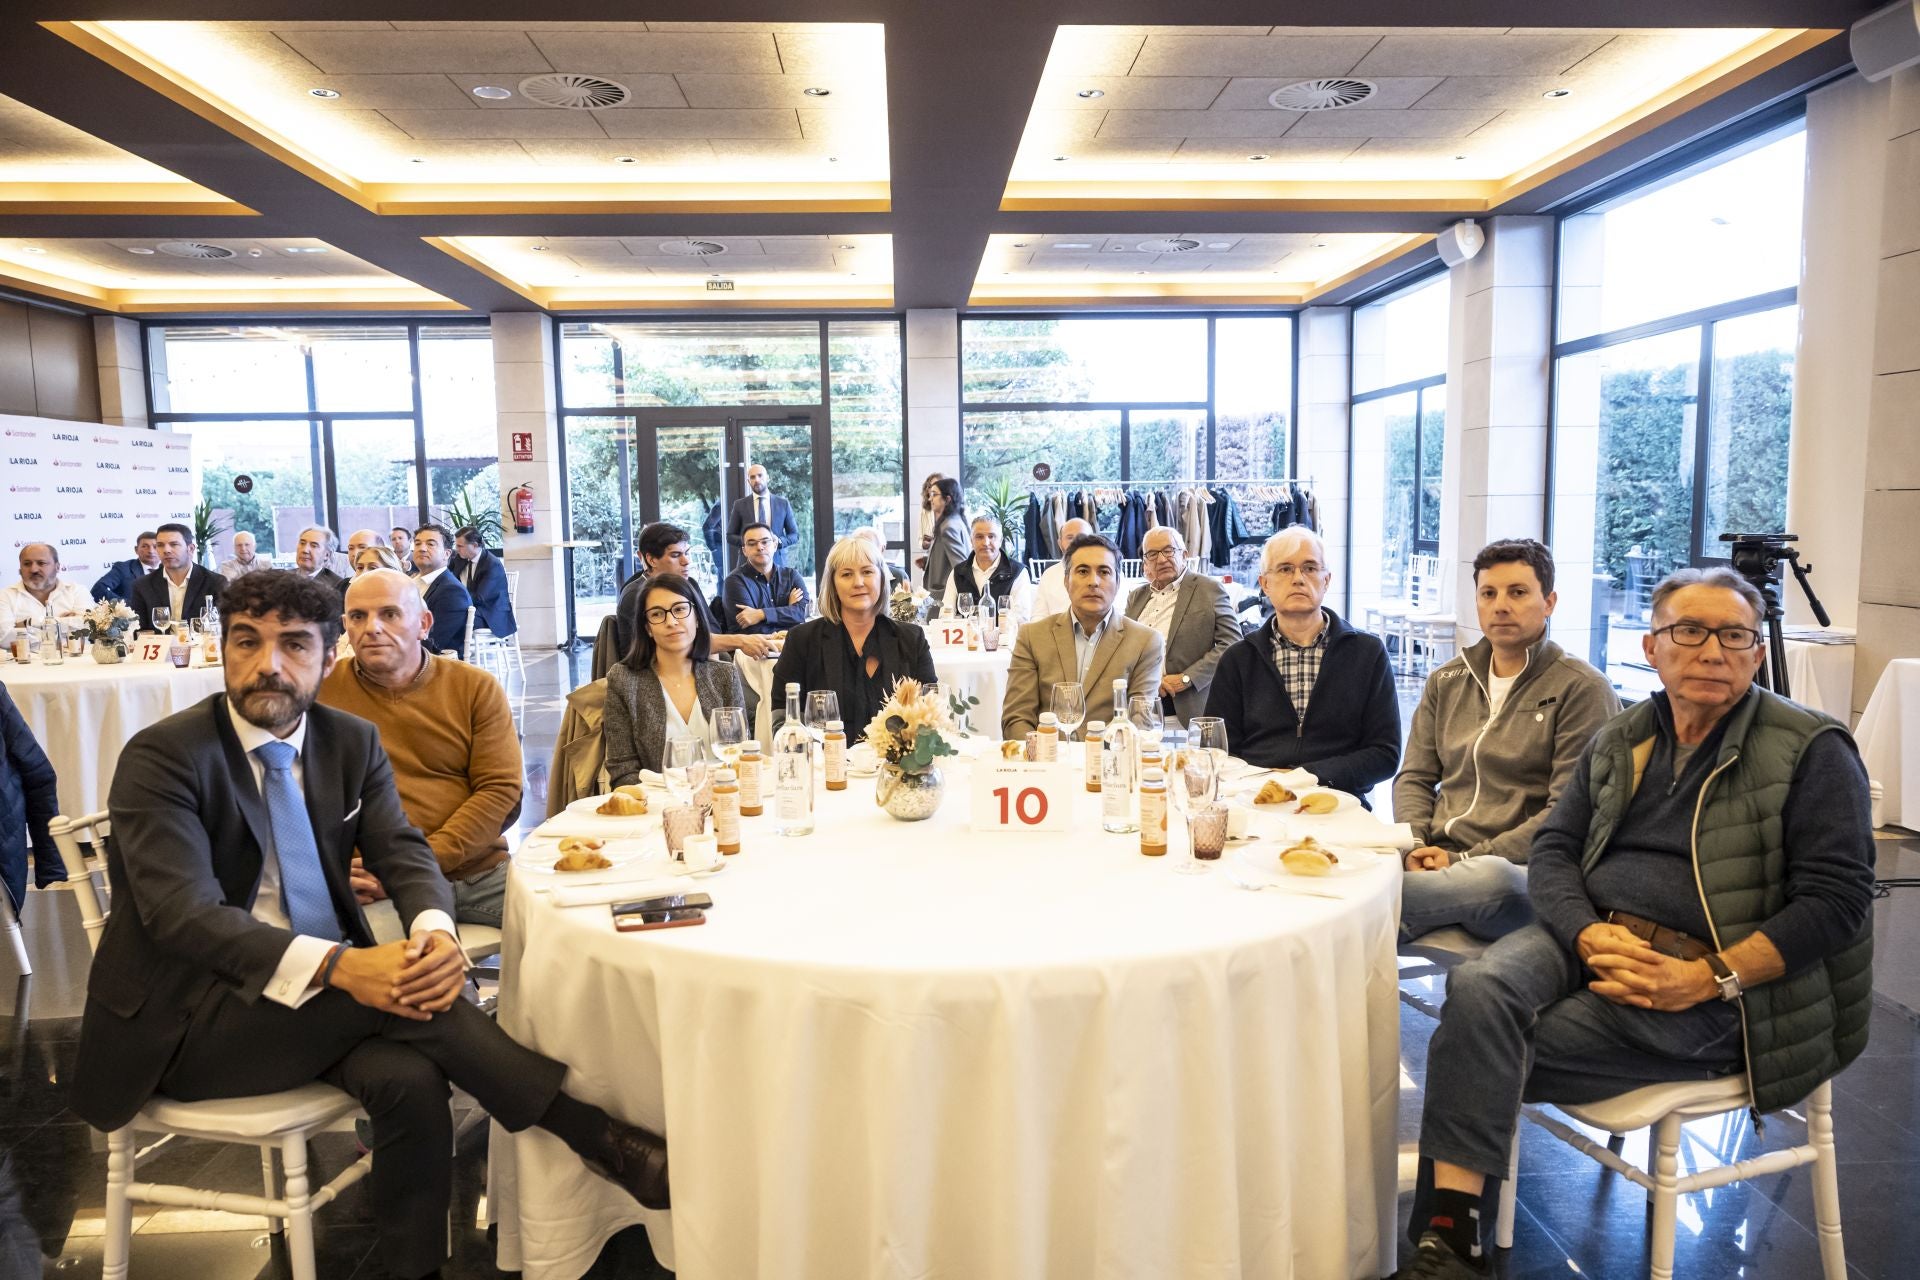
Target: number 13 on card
<point x="1020" y="797"/>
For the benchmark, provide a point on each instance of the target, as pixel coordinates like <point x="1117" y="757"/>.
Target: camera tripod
<point x="1757" y="557"/>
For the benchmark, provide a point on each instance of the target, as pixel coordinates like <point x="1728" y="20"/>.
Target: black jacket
<point x="1351" y="737"/>
<point x="150" y="593"/>
<point x="485" y="579"/>
<point x="189" y="826"/>
<point x="28" y="802"/>
<point x="448" y="601"/>
<point x="118" y="580"/>
<point x="819" y="655"/>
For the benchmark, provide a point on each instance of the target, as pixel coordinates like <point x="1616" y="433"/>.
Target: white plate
<point x="586" y="806"/>
<point x="539" y="853"/>
<point x="1346" y="802"/>
<point x="1261" y="860"/>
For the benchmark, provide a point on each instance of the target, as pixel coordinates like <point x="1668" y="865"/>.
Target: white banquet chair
<point x="285" y="1120"/>
<point x="10" y="921"/>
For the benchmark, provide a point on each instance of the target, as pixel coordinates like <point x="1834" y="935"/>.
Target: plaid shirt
<point x="1299" y="665"/>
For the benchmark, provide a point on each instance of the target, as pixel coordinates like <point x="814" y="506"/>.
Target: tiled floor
<point x="1574" y="1220"/>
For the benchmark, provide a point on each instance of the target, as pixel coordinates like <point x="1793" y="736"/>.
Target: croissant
<point x="1309" y="858"/>
<point x="1272" y="792"/>
<point x="623" y="803"/>
<point x="582" y="860"/>
<point x="578" y="844"/>
<point x="1013" y="750"/>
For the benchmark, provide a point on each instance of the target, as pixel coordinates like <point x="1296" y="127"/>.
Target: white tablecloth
<point x="981" y="674"/>
<point x="1821" y="677"/>
<point x="1889" y="737"/>
<point x="82" y="713"/>
<point x="897" y="1050"/>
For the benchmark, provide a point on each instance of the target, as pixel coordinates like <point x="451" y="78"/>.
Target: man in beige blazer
<point x="1192" y="614"/>
<point x="1092" y="643"/>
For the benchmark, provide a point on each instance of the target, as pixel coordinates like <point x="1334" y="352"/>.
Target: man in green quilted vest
<point x="1702" y="888"/>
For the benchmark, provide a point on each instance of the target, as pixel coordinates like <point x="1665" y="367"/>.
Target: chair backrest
<point x="1425" y="572"/>
<point x="513" y="589"/>
<point x="86" y="878"/>
<point x="466" y="643"/>
<point x="1133" y="569"/>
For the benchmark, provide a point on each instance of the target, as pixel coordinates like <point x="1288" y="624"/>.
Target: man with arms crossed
<point x="1496" y="736"/>
<point x="1703" y="886"/>
<point x="235" y="961"/>
<point x="448" y="732"/>
<point x="763" y="595"/>
<point x="1092" y="644"/>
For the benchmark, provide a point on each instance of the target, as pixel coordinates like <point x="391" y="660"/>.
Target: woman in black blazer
<point x="852" y="648"/>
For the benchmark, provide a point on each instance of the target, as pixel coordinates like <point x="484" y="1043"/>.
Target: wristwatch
<point x="1724" y="976"/>
<point x="1186" y="681"/>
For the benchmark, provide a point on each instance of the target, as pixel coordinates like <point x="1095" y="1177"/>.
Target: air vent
<point x="1322" y="95"/>
<point x="692" y="248"/>
<point x="1168" y="246"/>
<point x="574" y="92"/>
<point x="194" y="249"/>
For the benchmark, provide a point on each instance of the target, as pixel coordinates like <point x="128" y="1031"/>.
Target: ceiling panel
<point x="574" y="270"/>
<point x="1283" y="264"/>
<point x="1130" y="93"/>
<point x="1200" y="55"/>
<point x="1515" y="53"/>
<point x="130" y="273"/>
<point x="387" y="52"/>
<point x="1250" y="93"/>
<point x="605" y="51"/>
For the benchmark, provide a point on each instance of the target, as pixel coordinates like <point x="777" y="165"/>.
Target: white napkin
<point x="625" y="890"/>
<point x="1354" y="828"/>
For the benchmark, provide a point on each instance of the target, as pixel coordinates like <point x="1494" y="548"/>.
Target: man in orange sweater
<point x="449" y="732"/>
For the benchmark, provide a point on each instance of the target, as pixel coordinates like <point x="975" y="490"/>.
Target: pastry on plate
<point x="1271" y="792"/>
<point x="1309" y="858"/>
<point x="1318" y="802"/>
<point x="625" y="802"/>
<point x="1011" y="750"/>
<point x="581" y="853"/>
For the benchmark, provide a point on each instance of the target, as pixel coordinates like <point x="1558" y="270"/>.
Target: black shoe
<point x="636" y="1162"/>
<point x="1434" y="1259"/>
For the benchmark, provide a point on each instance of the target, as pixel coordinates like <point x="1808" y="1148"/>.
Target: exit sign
<point x="719" y="286"/>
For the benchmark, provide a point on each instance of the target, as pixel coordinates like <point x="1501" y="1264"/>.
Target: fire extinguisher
<point x="522" y="498"/>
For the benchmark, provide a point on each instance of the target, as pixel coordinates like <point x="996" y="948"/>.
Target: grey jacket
<point x="634" y="725"/>
<point x="1475" y="786"/>
<point x="1203" y="627"/>
<point x="948" y="549"/>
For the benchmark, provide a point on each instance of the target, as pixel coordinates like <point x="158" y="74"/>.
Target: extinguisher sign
<point x="523" y="446"/>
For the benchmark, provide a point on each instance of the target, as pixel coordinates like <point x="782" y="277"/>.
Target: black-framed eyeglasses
<point x="1691" y="635"/>
<point x="680" y="611"/>
<point x="1164" y="553"/>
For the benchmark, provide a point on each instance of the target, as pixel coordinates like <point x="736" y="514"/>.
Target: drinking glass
<point x="729" y="733"/>
<point x="930" y="692"/>
<point x="1210" y="732"/>
<point x="963" y="604"/>
<point x="1069" y="707"/>
<point x="162" y="615"/>
<point x="677" y="763"/>
<point x="1194" y="788"/>
<point x="822" y="705"/>
<point x="1143" y="710"/>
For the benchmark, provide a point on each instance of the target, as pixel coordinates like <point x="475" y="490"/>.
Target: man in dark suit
<point x="182" y="586"/>
<point x="446" y="599"/>
<point x="485" y="578"/>
<point x="1192" y="614"/>
<point x="761" y="507"/>
<point x="313" y="554"/>
<point x="118" y="581"/>
<point x="236" y="961"/>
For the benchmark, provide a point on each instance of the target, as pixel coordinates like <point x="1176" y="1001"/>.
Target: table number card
<point x="148" y="649"/>
<point x="1016" y="796"/>
<point x="947" y="633"/>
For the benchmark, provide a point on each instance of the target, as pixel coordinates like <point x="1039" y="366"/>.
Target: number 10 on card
<point x="1020" y="797"/>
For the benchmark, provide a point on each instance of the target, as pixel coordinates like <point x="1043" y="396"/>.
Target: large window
<point x="1673" y="384"/>
<point x="1134" y="400"/>
<point x="663" y="418"/>
<point x="351" y="424"/>
<point x="1399" y="434"/>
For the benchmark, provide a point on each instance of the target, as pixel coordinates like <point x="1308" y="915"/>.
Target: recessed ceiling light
<point x="328" y="94"/>
<point x="817" y="92"/>
<point x="846" y="246"/>
<point x="417" y="160"/>
<point x="1021" y="245"/>
<point x="1139" y="273"/>
<point x="1557" y="93"/>
<point x="625" y="160"/>
<point x="306" y="248"/>
<point x="1320" y="244"/>
<point x="1059" y="157"/>
<point x="1073" y="244"/>
<point x="1092" y="93"/>
<point x="33" y="248"/>
<point x="1259" y="155"/>
<point x="1459" y="157"/>
<point x="141" y="250"/>
<point x="492" y="92"/>
<point x="1220" y="244"/>
<point x="833" y="159"/>
<point x="537" y="248"/>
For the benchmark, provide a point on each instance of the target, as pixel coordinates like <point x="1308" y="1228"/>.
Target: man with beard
<point x="761" y="506"/>
<point x="26" y="602"/>
<point x="236" y="961"/>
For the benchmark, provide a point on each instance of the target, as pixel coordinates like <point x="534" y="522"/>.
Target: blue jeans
<point x="1485" y="896"/>
<point x="1519" y="1024"/>
<point x="483" y="899"/>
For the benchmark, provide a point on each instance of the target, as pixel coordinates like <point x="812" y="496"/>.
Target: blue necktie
<point x="303" y="886"/>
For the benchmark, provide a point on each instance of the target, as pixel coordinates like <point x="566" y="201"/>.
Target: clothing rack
<point x="1164" y="484"/>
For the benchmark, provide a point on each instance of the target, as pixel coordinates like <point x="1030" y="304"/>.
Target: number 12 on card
<point x="1011" y="796"/>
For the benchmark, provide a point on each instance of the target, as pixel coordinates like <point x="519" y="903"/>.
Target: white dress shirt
<point x="292" y="981"/>
<point x="1050" y="596"/>
<point x="24" y="609"/>
<point x="425" y="580"/>
<point x="1084" y="645"/>
<point x="1157" y="612"/>
<point x="176" y="596"/>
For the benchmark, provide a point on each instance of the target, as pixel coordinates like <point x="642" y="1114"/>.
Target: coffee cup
<point x="1237" y="819"/>
<point x="862" y="758"/>
<point x="699" y="853"/>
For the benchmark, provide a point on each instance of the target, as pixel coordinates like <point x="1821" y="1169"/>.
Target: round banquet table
<point x="979" y="673"/>
<point x="901" y="1050"/>
<point x="1889" y="738"/>
<point x="82" y="713"/>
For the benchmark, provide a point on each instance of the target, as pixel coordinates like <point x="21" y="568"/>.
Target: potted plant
<point x="909" y="734"/>
<point x="106" y="626"/>
<point x="467" y="512"/>
<point x="1009" y="507"/>
<point x="206" y="527"/>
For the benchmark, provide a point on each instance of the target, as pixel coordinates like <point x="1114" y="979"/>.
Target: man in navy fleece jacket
<point x="1307" y="690"/>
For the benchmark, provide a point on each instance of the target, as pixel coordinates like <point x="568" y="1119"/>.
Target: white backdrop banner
<point x="89" y="489"/>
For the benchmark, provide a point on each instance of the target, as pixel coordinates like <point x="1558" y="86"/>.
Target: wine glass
<point x="678" y="761"/>
<point x="1069" y="707"/>
<point x="729" y="734"/>
<point x="1210" y="733"/>
<point x="1194" y="788"/>
<point x="162" y="616"/>
<point x="822" y="705"/>
<point x="963" y="605"/>
<point x="1143" y="709"/>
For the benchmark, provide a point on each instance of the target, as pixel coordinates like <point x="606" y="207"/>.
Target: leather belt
<point x="1668" y="942"/>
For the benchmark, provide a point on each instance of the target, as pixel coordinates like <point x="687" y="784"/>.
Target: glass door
<point x="690" y="466"/>
<point x="373" y="477"/>
<point x="784" y="446"/>
<point x="689" y="476"/>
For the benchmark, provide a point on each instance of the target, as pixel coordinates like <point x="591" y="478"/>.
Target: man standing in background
<point x="761" y="506"/>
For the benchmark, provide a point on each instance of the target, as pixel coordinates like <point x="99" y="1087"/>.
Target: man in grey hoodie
<point x="1497" y="735"/>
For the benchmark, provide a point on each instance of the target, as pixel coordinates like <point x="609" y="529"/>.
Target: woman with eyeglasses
<point x="667" y="685"/>
<point x="853" y="647"/>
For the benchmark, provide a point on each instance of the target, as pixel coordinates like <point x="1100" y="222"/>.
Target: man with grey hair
<point x="1704" y="887"/>
<point x="987" y="573"/>
<point x="313" y="557"/>
<point x="1307" y="690"/>
<point x="1193" y="615"/>
<point x="1050" y="593"/>
<point x="243" y="561"/>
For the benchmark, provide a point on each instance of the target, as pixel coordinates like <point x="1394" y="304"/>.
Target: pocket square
<point x="352" y="814"/>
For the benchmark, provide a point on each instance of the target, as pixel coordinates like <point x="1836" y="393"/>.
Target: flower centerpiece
<point x="106" y="626"/>
<point x="908" y="734"/>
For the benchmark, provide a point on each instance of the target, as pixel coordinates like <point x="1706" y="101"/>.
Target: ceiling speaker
<point x="1886" y="41"/>
<point x="1460" y="241"/>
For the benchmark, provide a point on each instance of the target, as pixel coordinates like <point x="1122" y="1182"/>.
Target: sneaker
<point x="1434" y="1259"/>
